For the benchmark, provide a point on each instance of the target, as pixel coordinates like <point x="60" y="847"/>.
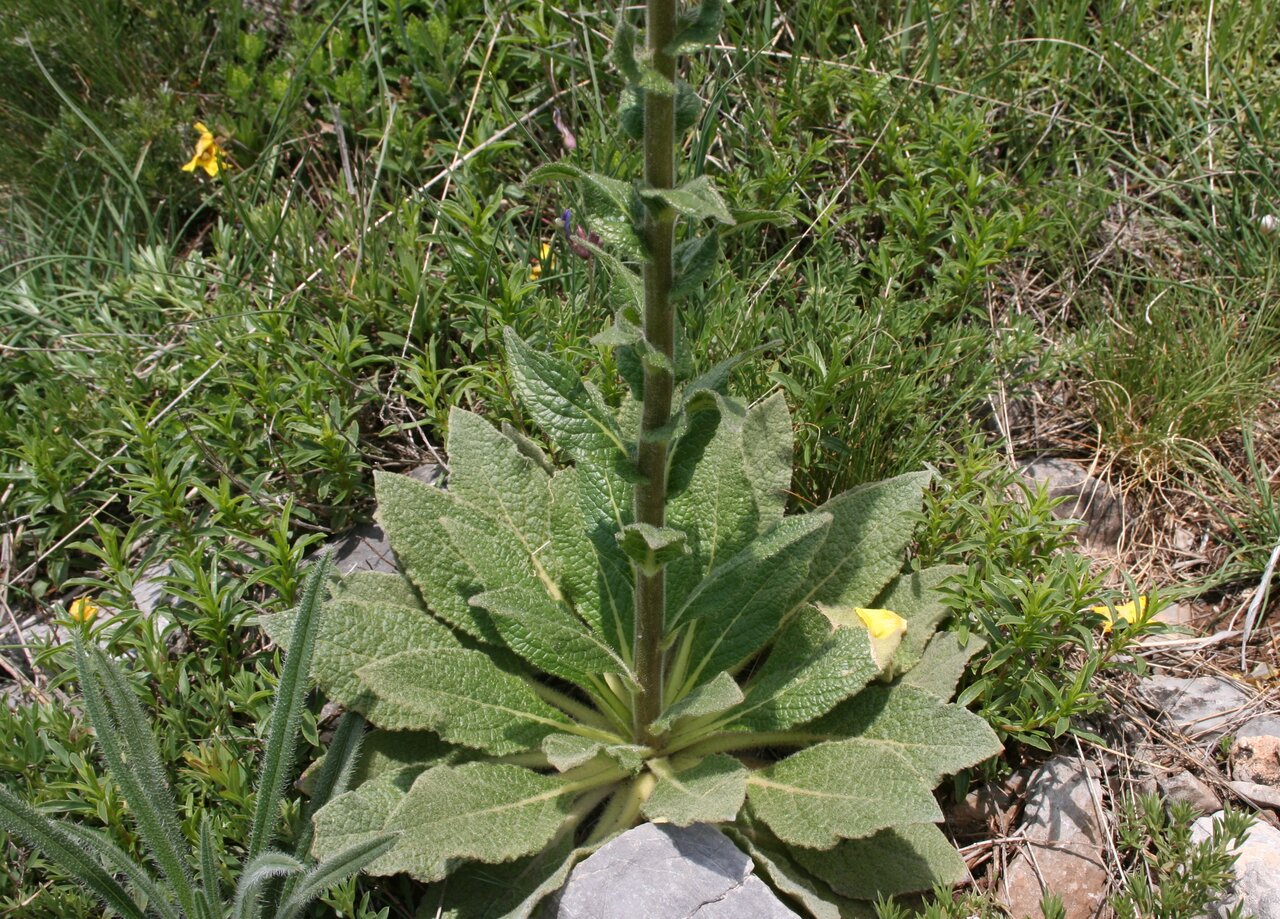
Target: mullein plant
<point x="177" y="882"/>
<point x="642" y="632"/>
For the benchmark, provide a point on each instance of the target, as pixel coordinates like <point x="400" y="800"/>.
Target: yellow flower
<point x="1129" y="613"/>
<point x="82" y="610"/>
<point x="208" y="154"/>
<point x="884" y="626"/>
<point x="544" y="256"/>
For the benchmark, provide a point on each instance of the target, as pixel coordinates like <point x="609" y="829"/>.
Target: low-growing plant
<point x="1169" y="873"/>
<point x="191" y="887"/>
<point x="645" y="634"/>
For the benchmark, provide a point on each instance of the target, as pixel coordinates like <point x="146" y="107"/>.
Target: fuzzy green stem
<point x="624" y="807"/>
<point x="659" y="332"/>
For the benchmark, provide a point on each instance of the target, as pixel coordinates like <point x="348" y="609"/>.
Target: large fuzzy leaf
<point x="767" y="448"/>
<point x="412" y="516"/>
<point x="490" y="472"/>
<point x="735" y="610"/>
<point x="355" y="632"/>
<point x="461" y="695"/>
<point x="818" y="900"/>
<point x="710" y="499"/>
<point x="594" y="574"/>
<point x="710" y="791"/>
<point x="934" y="737"/>
<point x="942" y="664"/>
<point x="840" y="790"/>
<point x="361" y="816"/>
<point x="811" y="669"/>
<point x="871" y="528"/>
<point x="548" y="636"/>
<point x="905" y="859"/>
<point x="719" y="694"/>
<point x="916" y="598"/>
<point x="478" y="811"/>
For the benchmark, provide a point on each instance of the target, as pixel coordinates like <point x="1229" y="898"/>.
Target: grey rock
<point x="988" y="806"/>
<point x="366" y="548"/>
<point x="1185" y="788"/>
<point x="659" y="871"/>
<point x="1204" y="708"/>
<point x="1257" y="883"/>
<point x="1089" y="499"/>
<point x="1260" y="795"/>
<point x="1065" y="835"/>
<point x="1262" y="726"/>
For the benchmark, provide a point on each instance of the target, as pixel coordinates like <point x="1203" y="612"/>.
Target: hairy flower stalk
<point x="659" y="332"/>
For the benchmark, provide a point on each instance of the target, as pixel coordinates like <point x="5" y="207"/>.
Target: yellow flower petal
<point x="82" y="610"/>
<point x="199" y="126"/>
<point x="1129" y="613"/>
<point x="881" y="623"/>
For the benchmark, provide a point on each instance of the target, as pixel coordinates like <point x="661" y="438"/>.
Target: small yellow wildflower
<point x="544" y="257"/>
<point x="208" y="154"/>
<point x="82" y="610"/>
<point x="1129" y="613"/>
<point x="881" y="623"/>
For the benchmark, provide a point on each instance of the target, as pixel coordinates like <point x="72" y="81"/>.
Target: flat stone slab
<point x="1089" y="499"/>
<point x="1064" y="834"/>
<point x="1202" y="707"/>
<point x="660" y="871"/>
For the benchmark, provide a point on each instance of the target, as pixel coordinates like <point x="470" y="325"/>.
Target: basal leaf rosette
<point x="805" y="693"/>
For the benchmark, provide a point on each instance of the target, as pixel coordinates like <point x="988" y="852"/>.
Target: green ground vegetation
<point x="992" y="201"/>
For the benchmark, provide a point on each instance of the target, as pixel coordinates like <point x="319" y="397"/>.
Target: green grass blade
<point x="38" y="831"/>
<point x="129" y="748"/>
<point x="335" y="776"/>
<point x="118" y="861"/>
<point x="333" y="871"/>
<point x="210" y="876"/>
<point x="286" y="712"/>
<point x="262" y="869"/>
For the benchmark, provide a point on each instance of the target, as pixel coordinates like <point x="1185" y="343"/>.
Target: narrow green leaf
<point x="210" y="876"/>
<point x="337" y="768"/>
<point x="461" y="695"/>
<point x="905" y="859"/>
<point x="479" y="811"/>
<point x="719" y="694"/>
<point x="811" y="669"/>
<point x="286" y="711"/>
<point x="119" y="862"/>
<point x="332" y="871"/>
<point x="710" y="791"/>
<point x="738" y="607"/>
<point x="133" y="759"/>
<point x="839" y="790"/>
<point x="37" y="831"/>
<point x="943" y="664"/>
<point x="935" y="737"/>
<point x="548" y="636"/>
<point x="697" y="198"/>
<point x="266" y="867"/>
